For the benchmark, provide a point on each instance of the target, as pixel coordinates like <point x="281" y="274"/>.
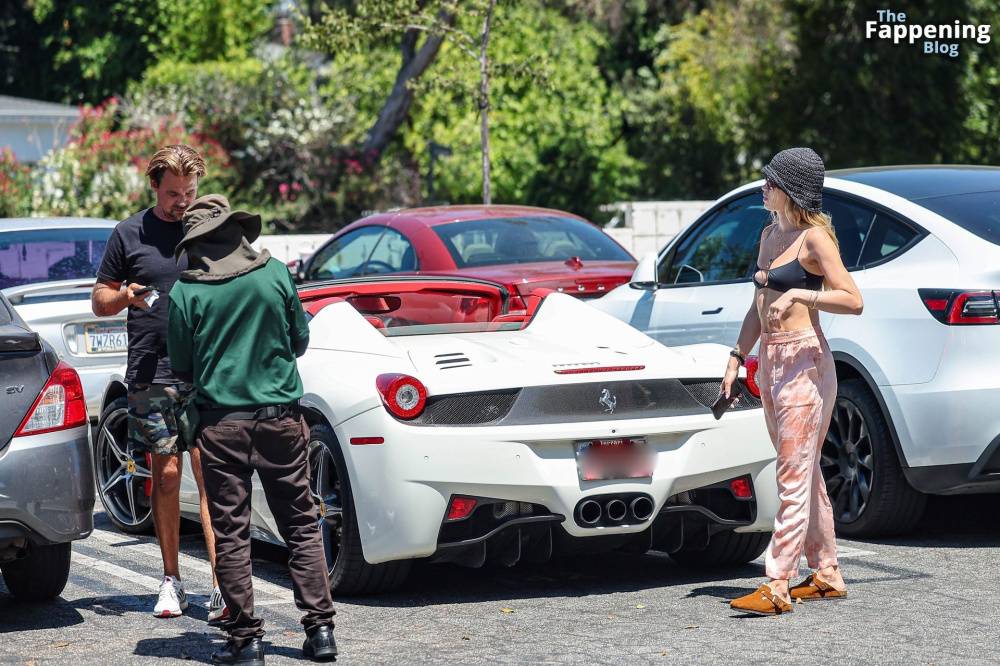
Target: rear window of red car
<point x="528" y="239"/>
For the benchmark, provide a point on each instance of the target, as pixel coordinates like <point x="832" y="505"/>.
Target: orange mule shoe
<point x="761" y="601"/>
<point x="814" y="589"/>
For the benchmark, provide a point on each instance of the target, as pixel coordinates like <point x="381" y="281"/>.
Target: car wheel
<point x="330" y="484"/>
<point x="864" y="480"/>
<point x="40" y="575"/>
<point x="123" y="476"/>
<point x="724" y="549"/>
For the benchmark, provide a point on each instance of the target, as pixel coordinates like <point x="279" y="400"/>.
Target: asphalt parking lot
<point x="929" y="598"/>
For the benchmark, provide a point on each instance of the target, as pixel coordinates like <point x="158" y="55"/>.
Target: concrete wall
<point x="291" y="246"/>
<point x="647" y="226"/>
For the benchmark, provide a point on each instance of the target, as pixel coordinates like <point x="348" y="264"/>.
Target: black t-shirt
<point x="141" y="250"/>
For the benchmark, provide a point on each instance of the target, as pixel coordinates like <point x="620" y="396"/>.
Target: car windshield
<point x="519" y="240"/>
<point x="46" y="255"/>
<point x="978" y="212"/>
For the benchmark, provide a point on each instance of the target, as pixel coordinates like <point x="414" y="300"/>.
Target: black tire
<point x="348" y="571"/>
<point x="725" y="549"/>
<point x="41" y="575"/>
<point x="111" y="456"/>
<point x="869" y="494"/>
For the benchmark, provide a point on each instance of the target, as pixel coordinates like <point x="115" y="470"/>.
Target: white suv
<point x="919" y="371"/>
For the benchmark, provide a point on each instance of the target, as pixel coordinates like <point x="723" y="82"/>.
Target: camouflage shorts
<point x="158" y="418"/>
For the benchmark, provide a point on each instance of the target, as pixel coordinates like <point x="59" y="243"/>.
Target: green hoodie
<point x="237" y="339"/>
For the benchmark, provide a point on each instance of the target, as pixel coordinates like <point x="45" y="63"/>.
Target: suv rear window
<point x="46" y="255"/>
<point x="519" y="240"/>
<point x="978" y="212"/>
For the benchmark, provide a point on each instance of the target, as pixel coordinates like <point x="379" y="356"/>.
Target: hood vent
<point x="452" y="360"/>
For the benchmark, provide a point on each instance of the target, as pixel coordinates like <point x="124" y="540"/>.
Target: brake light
<point x="59" y="406"/>
<point x="955" y="307"/>
<point x="752" y="364"/>
<point x="460" y="507"/>
<point x="742" y="488"/>
<point x="599" y="368"/>
<point x="404" y="396"/>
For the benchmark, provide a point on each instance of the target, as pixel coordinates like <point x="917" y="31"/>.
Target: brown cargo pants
<point x="276" y="448"/>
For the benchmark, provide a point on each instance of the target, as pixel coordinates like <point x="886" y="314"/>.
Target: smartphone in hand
<point x="722" y="403"/>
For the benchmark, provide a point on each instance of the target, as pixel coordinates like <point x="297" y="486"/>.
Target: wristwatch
<point x="738" y="356"/>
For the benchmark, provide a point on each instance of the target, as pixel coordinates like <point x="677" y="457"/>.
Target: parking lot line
<point x="282" y="595"/>
<point x="133" y="577"/>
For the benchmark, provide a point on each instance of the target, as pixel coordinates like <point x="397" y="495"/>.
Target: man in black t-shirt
<point x="137" y="271"/>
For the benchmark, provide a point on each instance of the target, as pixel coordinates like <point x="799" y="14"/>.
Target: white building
<point x="31" y="128"/>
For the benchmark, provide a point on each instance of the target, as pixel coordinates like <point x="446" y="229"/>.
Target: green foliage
<point x="100" y="172"/>
<point x="554" y="143"/>
<point x="88" y="51"/>
<point x="15" y="186"/>
<point x="203" y="30"/>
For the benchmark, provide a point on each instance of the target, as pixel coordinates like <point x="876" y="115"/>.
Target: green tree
<point x="556" y="139"/>
<point x="85" y="52"/>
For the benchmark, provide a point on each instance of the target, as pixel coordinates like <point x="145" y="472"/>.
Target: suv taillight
<point x="955" y="307"/>
<point x="59" y="406"/>
<point x="404" y="396"/>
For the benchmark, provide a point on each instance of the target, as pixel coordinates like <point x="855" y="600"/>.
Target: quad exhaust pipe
<point x="614" y="510"/>
<point x="641" y="508"/>
<point x="590" y="512"/>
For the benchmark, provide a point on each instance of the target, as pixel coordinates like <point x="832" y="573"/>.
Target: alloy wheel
<point x="325" y="488"/>
<point x="122" y="473"/>
<point x="847" y="462"/>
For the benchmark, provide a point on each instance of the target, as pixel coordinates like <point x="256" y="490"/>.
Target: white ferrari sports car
<point x="445" y="427"/>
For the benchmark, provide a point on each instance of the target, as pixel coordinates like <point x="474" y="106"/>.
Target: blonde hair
<point x="179" y="159"/>
<point x="803" y="219"/>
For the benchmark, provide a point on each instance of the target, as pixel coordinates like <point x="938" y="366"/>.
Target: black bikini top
<point x="791" y="275"/>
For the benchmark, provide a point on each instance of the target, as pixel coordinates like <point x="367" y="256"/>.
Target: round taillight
<point x="404" y="396"/>
<point x="752" y="364"/>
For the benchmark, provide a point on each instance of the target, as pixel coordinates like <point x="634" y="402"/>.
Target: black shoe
<point x="320" y="645"/>
<point x="251" y="654"/>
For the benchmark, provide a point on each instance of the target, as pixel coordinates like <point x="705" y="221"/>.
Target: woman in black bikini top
<point x="797" y="378"/>
<point x="792" y="275"/>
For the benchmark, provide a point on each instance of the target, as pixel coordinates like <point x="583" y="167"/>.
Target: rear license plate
<point x="622" y="458"/>
<point x="105" y="338"/>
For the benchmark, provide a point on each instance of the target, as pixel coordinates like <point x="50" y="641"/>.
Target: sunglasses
<point x="770" y="184"/>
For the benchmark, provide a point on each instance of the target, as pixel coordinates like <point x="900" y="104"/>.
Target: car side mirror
<point x="644" y="275"/>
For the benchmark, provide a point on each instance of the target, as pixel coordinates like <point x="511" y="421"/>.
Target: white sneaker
<point x="217" y="611"/>
<point x="172" y="600"/>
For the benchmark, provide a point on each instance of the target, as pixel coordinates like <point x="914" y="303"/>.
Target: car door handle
<point x="715" y="311"/>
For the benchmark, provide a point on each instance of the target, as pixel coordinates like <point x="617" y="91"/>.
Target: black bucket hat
<point x="799" y="173"/>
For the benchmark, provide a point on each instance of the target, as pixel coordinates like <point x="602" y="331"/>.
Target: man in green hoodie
<point x="235" y="328"/>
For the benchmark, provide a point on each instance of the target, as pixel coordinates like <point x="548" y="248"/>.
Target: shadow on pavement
<point x="198" y="647"/>
<point x="955" y="521"/>
<point x="58" y="613"/>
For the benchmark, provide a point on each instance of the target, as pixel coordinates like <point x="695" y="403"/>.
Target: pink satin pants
<point x="798" y="388"/>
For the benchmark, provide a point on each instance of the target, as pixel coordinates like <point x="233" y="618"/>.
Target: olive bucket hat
<point x="799" y="173"/>
<point x="217" y="240"/>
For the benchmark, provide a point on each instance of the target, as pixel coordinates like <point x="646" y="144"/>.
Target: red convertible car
<point x="521" y="247"/>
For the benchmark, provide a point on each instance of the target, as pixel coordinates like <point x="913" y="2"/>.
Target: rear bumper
<point x="47" y="486"/>
<point x="402" y="488"/>
<point x="952" y="419"/>
<point x="979" y="477"/>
